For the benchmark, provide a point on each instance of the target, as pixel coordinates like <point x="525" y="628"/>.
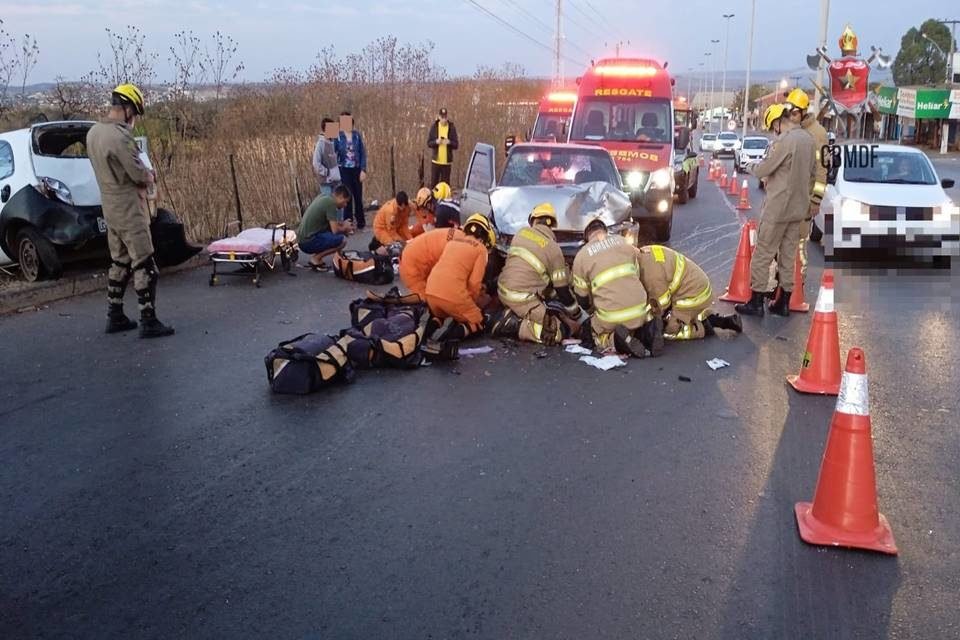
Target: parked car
<point x="580" y="181"/>
<point x="50" y="211"/>
<point x="753" y="148"/>
<point x="708" y="142"/>
<point x="893" y="201"/>
<point x="727" y="143"/>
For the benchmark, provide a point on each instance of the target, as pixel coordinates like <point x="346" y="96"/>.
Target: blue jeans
<point x="320" y="242"/>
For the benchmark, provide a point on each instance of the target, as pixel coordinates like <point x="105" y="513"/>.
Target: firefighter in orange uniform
<point x="423" y="252"/>
<point x="423" y="210"/>
<point x="455" y="284"/>
<point x="392" y="223"/>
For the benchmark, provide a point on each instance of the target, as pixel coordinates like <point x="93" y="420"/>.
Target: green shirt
<point x="316" y="219"/>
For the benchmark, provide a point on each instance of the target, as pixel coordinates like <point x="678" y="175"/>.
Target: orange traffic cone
<point x="739" y="288"/>
<point x="844" y="510"/>
<point x="820" y="371"/>
<point x="723" y="181"/>
<point x="714" y="170"/>
<point x="797" y="300"/>
<point x="744" y="204"/>
<point x="733" y="184"/>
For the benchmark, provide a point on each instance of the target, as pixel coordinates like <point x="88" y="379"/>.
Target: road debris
<point x="576" y="348"/>
<point x="476" y="351"/>
<point x="717" y="363"/>
<point x="684" y="379"/>
<point x="605" y="363"/>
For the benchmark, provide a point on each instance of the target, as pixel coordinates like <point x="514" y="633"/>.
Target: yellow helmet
<point x="129" y="94"/>
<point x="799" y="99"/>
<point x="423" y="197"/>
<point x="479" y="226"/>
<point x="442" y="191"/>
<point x="543" y="213"/>
<point x="773" y="113"/>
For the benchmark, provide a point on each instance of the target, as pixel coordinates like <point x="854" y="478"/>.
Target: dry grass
<point x="271" y="133"/>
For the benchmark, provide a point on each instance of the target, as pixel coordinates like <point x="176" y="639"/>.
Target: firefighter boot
<point x="754" y="307"/>
<point x="150" y="327"/>
<point x="626" y="343"/>
<point x="117" y="320"/>
<point x="782" y="305"/>
<point x="717" y="321"/>
<point x="651" y="334"/>
<point x="502" y="324"/>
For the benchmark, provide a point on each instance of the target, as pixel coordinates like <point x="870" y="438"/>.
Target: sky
<point x="289" y="33"/>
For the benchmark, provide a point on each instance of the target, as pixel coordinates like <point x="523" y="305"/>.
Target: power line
<point x="600" y="20"/>
<point x="520" y="33"/>
<point x="547" y="27"/>
<point x="589" y="29"/>
<point x="588" y="16"/>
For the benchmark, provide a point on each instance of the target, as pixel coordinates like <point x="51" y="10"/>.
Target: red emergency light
<point x="626" y="71"/>
<point x="562" y="96"/>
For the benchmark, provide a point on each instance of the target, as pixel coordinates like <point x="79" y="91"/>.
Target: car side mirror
<point x="681" y="138"/>
<point x="946" y="183"/>
<point x="5" y="193"/>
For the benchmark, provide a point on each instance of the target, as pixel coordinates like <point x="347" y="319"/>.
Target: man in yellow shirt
<point x="443" y="140"/>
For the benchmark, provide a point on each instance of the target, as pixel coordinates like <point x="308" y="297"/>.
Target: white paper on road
<point x="717" y="363"/>
<point x="605" y="363"/>
<point x="575" y="348"/>
<point x="476" y="351"/>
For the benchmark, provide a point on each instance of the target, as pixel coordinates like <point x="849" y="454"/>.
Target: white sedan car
<point x="891" y="199"/>
<point x="754" y="148"/>
<point x="727" y="143"/>
<point x="708" y="142"/>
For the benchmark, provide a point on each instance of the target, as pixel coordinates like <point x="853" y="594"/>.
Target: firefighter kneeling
<point x="606" y="279"/>
<point x="534" y="285"/>
<point x="454" y="287"/>
<point x="682" y="292"/>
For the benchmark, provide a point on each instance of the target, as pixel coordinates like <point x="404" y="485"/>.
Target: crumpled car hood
<point x="575" y="205"/>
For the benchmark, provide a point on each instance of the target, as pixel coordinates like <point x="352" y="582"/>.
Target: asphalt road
<point x="158" y="490"/>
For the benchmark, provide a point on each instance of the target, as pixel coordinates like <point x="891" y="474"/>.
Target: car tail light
<point x="53" y="188"/>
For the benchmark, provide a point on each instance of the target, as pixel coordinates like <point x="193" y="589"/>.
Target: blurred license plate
<point x="101" y="225"/>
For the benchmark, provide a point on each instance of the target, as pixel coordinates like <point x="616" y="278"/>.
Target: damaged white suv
<point x="50" y="210"/>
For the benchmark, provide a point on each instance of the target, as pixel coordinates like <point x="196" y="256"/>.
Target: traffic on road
<point x="643" y="373"/>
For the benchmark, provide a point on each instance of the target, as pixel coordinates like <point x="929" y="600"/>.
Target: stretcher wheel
<point x="214" y="280"/>
<point x="256" y="282"/>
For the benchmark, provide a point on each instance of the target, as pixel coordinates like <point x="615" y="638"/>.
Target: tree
<point x="29" y="52"/>
<point x="919" y="61"/>
<point x="757" y="91"/>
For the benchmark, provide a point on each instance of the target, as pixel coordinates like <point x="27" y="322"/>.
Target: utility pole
<point x="945" y="131"/>
<point x="746" y="90"/>
<point x="824" y="19"/>
<point x="706" y="85"/>
<point x="723" y="84"/>
<point x="713" y="77"/>
<point x="557" y="54"/>
<point x="689" y="85"/>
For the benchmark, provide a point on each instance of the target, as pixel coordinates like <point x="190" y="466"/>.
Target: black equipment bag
<point x="363" y="266"/>
<point x="307" y="363"/>
<point x="394" y="325"/>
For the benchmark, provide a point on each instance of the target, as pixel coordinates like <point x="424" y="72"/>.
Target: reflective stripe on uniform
<point x="624" y="315"/>
<point x="511" y="295"/>
<point x="580" y="284"/>
<point x="679" y="268"/>
<point x="560" y="275"/>
<point x="685" y="333"/>
<point x="615" y="273"/>
<point x="819" y="188"/>
<point x="527" y="256"/>
<point x="658" y="254"/>
<point x="696" y="300"/>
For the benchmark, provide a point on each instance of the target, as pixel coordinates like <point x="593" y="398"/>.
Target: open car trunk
<point x="60" y="152"/>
